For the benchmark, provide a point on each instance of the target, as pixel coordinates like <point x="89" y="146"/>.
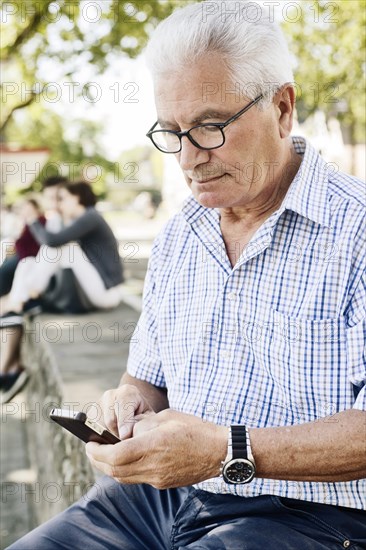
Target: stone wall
<point x="72" y="360"/>
<point x="63" y="471"/>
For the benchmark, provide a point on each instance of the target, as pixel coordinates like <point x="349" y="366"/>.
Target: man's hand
<point x="168" y="449"/>
<point x="121" y="409"/>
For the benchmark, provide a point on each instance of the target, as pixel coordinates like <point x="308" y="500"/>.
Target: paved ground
<point x="91" y="352"/>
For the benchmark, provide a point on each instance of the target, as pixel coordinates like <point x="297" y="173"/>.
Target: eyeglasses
<point x="204" y="136"/>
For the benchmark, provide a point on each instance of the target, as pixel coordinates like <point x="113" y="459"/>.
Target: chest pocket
<point x="307" y="362"/>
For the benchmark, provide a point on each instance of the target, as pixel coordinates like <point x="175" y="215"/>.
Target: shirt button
<point x="226" y="354"/>
<point x="231" y="296"/>
<point x="346" y="544"/>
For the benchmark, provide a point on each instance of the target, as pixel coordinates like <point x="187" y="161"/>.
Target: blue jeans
<point x="138" y="517"/>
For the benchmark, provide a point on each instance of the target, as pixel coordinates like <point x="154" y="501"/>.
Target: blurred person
<point x="10" y="227"/>
<point x="63" y="293"/>
<point x="53" y="223"/>
<point x="248" y="376"/>
<point x="86" y="245"/>
<point x="24" y="246"/>
<point x="13" y="375"/>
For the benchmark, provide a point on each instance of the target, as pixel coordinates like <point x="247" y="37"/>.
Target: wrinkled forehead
<point x="203" y="85"/>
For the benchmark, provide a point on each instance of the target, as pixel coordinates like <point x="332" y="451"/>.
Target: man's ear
<point x="285" y="100"/>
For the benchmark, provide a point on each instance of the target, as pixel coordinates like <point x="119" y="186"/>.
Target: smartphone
<point x="80" y="425"/>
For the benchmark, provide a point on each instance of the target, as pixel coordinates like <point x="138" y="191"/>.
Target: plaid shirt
<point x="276" y="340"/>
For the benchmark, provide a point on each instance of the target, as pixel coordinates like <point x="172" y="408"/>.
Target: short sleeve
<point x="144" y="360"/>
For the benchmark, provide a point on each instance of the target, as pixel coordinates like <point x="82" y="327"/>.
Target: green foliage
<point x="73" y="36"/>
<point x="69" y="34"/>
<point x="329" y="44"/>
<point x="117" y="26"/>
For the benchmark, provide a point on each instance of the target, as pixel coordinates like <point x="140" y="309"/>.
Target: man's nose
<point x="190" y="155"/>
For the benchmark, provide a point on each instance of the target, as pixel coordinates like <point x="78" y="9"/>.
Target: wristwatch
<point x="239" y="466"/>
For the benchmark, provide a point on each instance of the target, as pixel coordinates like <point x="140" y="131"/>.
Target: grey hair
<point x="253" y="47"/>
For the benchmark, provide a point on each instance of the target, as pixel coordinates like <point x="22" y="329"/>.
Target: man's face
<point x="240" y="173"/>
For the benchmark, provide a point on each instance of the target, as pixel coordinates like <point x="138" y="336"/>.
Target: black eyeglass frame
<point x="220" y="125"/>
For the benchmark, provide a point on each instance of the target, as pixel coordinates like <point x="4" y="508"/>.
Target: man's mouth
<point x="207" y="180"/>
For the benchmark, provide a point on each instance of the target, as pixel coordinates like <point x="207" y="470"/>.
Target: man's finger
<point x="109" y="417"/>
<point x="120" y="453"/>
<point x="104" y="458"/>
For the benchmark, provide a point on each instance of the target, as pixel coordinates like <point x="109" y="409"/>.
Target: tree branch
<point x="27" y="32"/>
<point x="19" y="106"/>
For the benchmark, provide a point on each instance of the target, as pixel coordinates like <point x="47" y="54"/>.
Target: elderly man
<point x="242" y="412"/>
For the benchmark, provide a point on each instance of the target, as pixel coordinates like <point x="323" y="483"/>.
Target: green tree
<point x="70" y="34"/>
<point x="328" y="41"/>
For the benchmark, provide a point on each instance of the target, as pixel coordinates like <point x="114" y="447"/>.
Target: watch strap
<point x="239" y="441"/>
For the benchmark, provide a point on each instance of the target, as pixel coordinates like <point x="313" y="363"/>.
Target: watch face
<point x="238" y="470"/>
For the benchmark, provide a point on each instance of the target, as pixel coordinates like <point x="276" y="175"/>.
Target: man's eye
<point x="205" y="130"/>
<point x="211" y="129"/>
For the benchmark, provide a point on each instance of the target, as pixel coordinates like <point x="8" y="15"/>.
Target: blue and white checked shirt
<point x="277" y="340"/>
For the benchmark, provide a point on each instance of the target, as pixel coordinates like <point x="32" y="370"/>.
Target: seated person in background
<point x="13" y="376"/>
<point x="53" y="223"/>
<point x="25" y="245"/>
<point x="63" y="294"/>
<point x="10" y="228"/>
<point x="86" y="245"/>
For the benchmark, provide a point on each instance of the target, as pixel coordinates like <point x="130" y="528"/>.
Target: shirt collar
<point x="307" y="194"/>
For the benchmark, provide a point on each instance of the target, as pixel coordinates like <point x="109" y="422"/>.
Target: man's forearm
<point x="157" y="397"/>
<point x="331" y="449"/>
